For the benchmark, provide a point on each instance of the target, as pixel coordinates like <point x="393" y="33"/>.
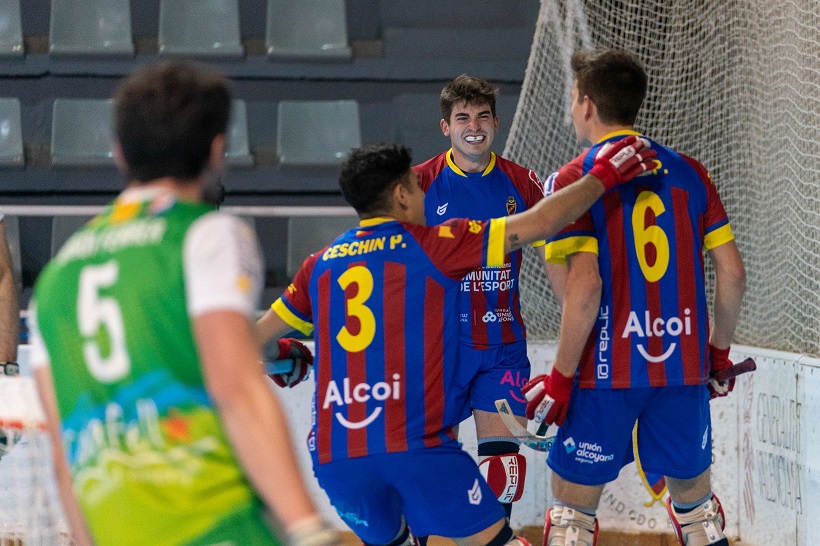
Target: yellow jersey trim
<point x="459" y="172"/>
<point x="557" y="251"/>
<point x="495" y="242"/>
<point x="621" y="133"/>
<point x="721" y="235"/>
<point x="292" y="320"/>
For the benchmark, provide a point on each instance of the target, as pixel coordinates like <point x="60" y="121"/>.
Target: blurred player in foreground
<point x="382" y="301"/>
<point x="635" y="323"/>
<point x="144" y="320"/>
<point x="469" y="180"/>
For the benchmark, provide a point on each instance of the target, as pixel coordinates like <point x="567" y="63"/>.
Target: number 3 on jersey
<point x="650" y="235"/>
<point x="363" y="279"/>
<point x="95" y="311"/>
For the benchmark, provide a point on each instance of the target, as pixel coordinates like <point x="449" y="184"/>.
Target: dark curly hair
<point x="370" y="173"/>
<point x="471" y="90"/>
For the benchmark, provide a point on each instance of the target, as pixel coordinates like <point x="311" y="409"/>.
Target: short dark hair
<point x="614" y="79"/>
<point x="166" y="116"/>
<point x="370" y="173"/>
<point x="471" y="90"/>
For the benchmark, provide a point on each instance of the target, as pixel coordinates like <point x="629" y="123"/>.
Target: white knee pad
<point x="564" y="526"/>
<point x="703" y="526"/>
<point x="505" y="475"/>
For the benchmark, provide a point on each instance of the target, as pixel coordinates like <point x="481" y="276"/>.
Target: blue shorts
<point x="595" y="442"/>
<point x="487" y="375"/>
<point x="439" y="490"/>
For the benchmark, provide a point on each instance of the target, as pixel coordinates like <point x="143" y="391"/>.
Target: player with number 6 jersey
<point x="652" y="328"/>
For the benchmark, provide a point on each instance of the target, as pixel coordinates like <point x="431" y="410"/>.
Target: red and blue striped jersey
<point x="489" y="310"/>
<point x="652" y="327"/>
<point x="381" y="299"/>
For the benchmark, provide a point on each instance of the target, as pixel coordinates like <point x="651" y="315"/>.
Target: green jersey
<point x="112" y="314"/>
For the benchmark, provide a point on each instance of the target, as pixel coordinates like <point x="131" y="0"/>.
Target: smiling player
<point x="469" y="180"/>
<point x="381" y="303"/>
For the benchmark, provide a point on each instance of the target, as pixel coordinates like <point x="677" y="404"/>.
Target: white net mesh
<point x="734" y="84"/>
<point x="30" y="513"/>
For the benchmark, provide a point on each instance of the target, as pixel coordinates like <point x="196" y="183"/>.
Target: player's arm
<point x="730" y="285"/>
<point x="62" y="473"/>
<point x="548" y="396"/>
<point x="9" y="310"/>
<point x="48" y="399"/>
<point x="556" y="275"/>
<point x="270" y="326"/>
<point x="613" y="165"/>
<point x="252" y="415"/>
<point x="582" y="298"/>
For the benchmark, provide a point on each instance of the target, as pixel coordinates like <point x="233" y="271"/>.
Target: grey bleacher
<point x="91" y="27"/>
<point x="307" y="30"/>
<point x="198" y="28"/>
<point x="384" y="60"/>
<point x="309" y="234"/>
<point x="11" y="29"/>
<point x="11" y="139"/>
<point x="317" y="133"/>
<point x="81" y="133"/>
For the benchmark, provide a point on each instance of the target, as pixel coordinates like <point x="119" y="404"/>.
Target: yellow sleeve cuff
<point x="495" y="242"/>
<point x="557" y="251"/>
<point x="715" y="238"/>
<point x="292" y="320"/>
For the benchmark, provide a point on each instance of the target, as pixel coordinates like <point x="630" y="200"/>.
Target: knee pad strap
<point x="505" y="474"/>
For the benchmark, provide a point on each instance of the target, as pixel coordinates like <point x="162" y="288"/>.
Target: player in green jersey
<point x="170" y="431"/>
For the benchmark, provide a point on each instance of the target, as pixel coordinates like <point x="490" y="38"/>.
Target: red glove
<point x="548" y="397"/>
<point x="719" y="360"/>
<point x="302" y="362"/>
<point x="619" y="162"/>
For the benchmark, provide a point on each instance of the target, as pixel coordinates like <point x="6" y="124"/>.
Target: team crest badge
<point x="511" y="205"/>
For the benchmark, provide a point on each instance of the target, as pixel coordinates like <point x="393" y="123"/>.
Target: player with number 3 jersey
<point x="381" y="301"/>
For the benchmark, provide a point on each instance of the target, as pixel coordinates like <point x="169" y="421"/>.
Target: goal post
<point x="735" y="85"/>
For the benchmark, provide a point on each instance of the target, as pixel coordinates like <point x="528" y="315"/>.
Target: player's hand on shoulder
<point x="548" y="397"/>
<point x="719" y="361"/>
<point x="292" y="349"/>
<point x="621" y="161"/>
<point x="312" y="531"/>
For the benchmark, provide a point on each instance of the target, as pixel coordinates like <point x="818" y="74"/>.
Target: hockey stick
<point x="726" y="374"/>
<point x="538" y="441"/>
<point x="279" y="366"/>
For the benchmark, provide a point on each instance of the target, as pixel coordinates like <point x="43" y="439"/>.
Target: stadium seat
<point x="309" y="234"/>
<point x="238" y="152"/>
<point x="81" y="132"/>
<point x="11" y="31"/>
<point x="204" y="28"/>
<point x="63" y="227"/>
<point x="90" y="27"/>
<point x="497" y="44"/>
<point x="319" y="133"/>
<point x="11" y="140"/>
<point x="308" y="29"/>
<point x="417" y="116"/>
<point x="12" y="225"/>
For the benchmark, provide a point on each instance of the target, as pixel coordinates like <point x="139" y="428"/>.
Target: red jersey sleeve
<point x="461" y="245"/>
<point x="579" y="236"/>
<point x="293" y="306"/>
<point x="715" y="223"/>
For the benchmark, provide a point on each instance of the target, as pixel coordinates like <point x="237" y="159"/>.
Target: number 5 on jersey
<point x="95" y="311"/>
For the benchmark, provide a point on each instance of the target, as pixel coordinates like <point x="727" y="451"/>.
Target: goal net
<point x="30" y="514"/>
<point x="736" y="85"/>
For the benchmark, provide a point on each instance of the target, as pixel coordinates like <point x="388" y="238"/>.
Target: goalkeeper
<point x="635" y="340"/>
<point x="382" y="301"/>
